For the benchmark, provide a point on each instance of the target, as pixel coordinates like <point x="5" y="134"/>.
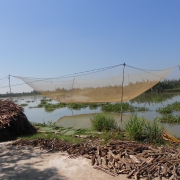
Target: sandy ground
<point x="25" y="163"/>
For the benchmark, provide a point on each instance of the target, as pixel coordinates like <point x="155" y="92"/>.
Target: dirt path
<point x="25" y="163"/>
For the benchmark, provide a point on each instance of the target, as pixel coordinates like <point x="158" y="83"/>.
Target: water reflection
<point x="84" y="120"/>
<point x="150" y="98"/>
<point x="81" y="118"/>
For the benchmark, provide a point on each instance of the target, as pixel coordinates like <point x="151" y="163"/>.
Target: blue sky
<point x="48" y="38"/>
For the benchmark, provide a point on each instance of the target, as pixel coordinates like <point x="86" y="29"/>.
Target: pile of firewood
<point x="13" y="122"/>
<point x="119" y="157"/>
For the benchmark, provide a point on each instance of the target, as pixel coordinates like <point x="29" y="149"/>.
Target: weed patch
<point x="141" y="129"/>
<point x="169" y="119"/>
<point x="102" y="122"/>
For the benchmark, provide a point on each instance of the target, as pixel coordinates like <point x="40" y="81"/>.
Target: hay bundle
<point x="13" y="122"/>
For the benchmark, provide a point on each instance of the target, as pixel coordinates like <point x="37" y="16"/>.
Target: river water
<point x="81" y="118"/>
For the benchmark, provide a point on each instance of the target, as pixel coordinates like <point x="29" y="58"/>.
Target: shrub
<point x="126" y="107"/>
<point x="135" y="128"/>
<point x="140" y="129"/>
<point x="154" y="131"/>
<point x="169" y="119"/>
<point x="165" y="110"/>
<point x="103" y="122"/>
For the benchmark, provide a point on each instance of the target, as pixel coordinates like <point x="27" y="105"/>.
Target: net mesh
<point x="102" y="85"/>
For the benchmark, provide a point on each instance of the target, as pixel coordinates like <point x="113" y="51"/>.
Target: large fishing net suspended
<point x="112" y="84"/>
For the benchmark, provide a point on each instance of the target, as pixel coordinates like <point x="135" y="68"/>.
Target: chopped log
<point x="159" y="162"/>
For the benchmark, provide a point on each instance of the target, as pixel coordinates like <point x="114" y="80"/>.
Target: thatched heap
<point x="13" y="122"/>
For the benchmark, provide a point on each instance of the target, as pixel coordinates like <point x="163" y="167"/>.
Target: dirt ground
<point x="25" y="163"/>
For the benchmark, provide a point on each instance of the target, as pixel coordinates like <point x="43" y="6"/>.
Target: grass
<point x="102" y="122"/>
<point x="136" y="128"/>
<point x="168" y="118"/>
<point x="158" y="99"/>
<point x="93" y="106"/>
<point x="169" y="108"/>
<point x="77" y="106"/>
<point x="140" y="129"/>
<point x="126" y="107"/>
<point x="154" y="131"/>
<point x="23" y="105"/>
<point x="105" y="107"/>
<point x="165" y="110"/>
<point x="66" y="138"/>
<point x="50" y="107"/>
<point x="176" y="106"/>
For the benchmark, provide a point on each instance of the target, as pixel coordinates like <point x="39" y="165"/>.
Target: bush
<point x="126" y="107"/>
<point x="154" y="131"/>
<point x="168" y="118"/>
<point x="135" y="128"/>
<point x="103" y="122"/>
<point x="141" y="129"/>
<point x="165" y="110"/>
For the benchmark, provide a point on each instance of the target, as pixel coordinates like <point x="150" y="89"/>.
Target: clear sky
<point x="48" y="38"/>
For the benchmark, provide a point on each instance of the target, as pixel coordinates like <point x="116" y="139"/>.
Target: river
<point x="81" y="118"/>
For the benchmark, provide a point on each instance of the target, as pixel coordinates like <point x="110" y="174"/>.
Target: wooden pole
<point x="9" y="87"/>
<point x="122" y="92"/>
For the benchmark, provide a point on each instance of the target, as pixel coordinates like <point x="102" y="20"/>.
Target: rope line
<point x="81" y="74"/>
<point x="4" y="78"/>
<point x="3" y="81"/>
<point x="77" y="74"/>
<point x="151" y="70"/>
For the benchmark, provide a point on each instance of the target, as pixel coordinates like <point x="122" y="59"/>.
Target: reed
<point x="168" y="118"/>
<point x="140" y="129"/>
<point x="102" y="122"/>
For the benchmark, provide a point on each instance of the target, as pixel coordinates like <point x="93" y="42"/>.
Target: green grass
<point x="140" y="129"/>
<point x="66" y="138"/>
<point x="105" y="107"/>
<point x="158" y="99"/>
<point x="50" y="107"/>
<point x="176" y="106"/>
<point x="168" y="118"/>
<point x="165" y="110"/>
<point x="102" y="122"/>
<point x="136" y="128"/>
<point x="77" y="106"/>
<point x="169" y="108"/>
<point x="93" y="106"/>
<point x="23" y="105"/>
<point x="154" y="131"/>
<point x="83" y="131"/>
<point x="126" y="107"/>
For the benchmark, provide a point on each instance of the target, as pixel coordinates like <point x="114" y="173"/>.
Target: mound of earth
<point x="13" y="122"/>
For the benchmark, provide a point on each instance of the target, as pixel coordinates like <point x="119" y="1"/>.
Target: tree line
<point x="166" y="85"/>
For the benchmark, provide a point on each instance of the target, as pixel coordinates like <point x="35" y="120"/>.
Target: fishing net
<point x="112" y="84"/>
